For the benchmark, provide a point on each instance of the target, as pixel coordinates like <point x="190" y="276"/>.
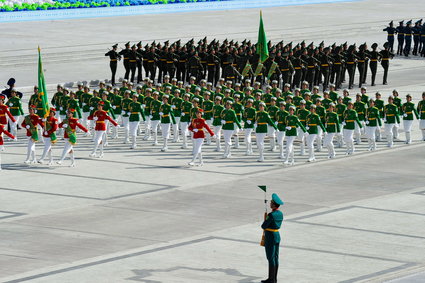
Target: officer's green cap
<point x="276" y="199"/>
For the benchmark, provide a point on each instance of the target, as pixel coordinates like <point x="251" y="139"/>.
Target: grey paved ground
<point x="144" y="216"/>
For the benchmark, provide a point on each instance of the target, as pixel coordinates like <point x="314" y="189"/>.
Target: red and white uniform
<point x="2" y="130"/>
<point x="197" y="127"/>
<point x="73" y="124"/>
<point x="36" y="120"/>
<point x="100" y="117"/>
<point x="4" y="110"/>
<point x="54" y="126"/>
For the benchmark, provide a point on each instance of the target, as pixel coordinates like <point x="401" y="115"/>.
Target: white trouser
<point x="184" y="131"/>
<point x="68" y="148"/>
<point x="301" y="138"/>
<point x="31" y="149"/>
<point x="176" y="127"/>
<point x="357" y="132"/>
<point x="289" y="148"/>
<point x="133" y="126"/>
<point x="271" y="132"/>
<point x="310" y="144"/>
<point x="407" y="126"/>
<point x="280" y="138"/>
<point x="348" y="139"/>
<point x="389" y="132"/>
<point x="126" y="126"/>
<point x="248" y="136"/>
<point x="370" y="132"/>
<point x="197" y="149"/>
<point x="86" y="120"/>
<point x="227" y="134"/>
<point x="115" y="129"/>
<point x="147" y="127"/>
<point x="422" y="127"/>
<point x="378" y="131"/>
<point x="165" y="129"/>
<point x="47" y="149"/>
<point x="217" y="131"/>
<point x="155" y="125"/>
<point x="339" y="137"/>
<point x="98" y="140"/>
<point x="319" y="138"/>
<point x="395" y="131"/>
<point x="14" y="125"/>
<point x="328" y="143"/>
<point x="260" y="140"/>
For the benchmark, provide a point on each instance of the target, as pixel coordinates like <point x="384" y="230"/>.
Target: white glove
<point x="162" y="103"/>
<point x="173" y="107"/>
<point x="385" y="120"/>
<point x="288" y="128"/>
<point x="306" y="134"/>
<point x="91" y="108"/>
<point x="11" y="104"/>
<point x="183" y="114"/>
<point x="46" y="133"/>
<point x="114" y="107"/>
<point x="243" y="108"/>
<point x="44" y="119"/>
<point x="404" y="115"/>
<point x="367" y="122"/>
<point x="84" y="104"/>
<point x="27" y="126"/>
<point x="128" y="113"/>
<point x="195" y="130"/>
<point x="123" y="112"/>
<point x="161" y="114"/>
<point x="276" y="123"/>
<point x="150" y="116"/>
<point x="249" y="122"/>
<point x="60" y="108"/>
<point x="143" y="105"/>
<point x="307" y="128"/>
<point x="95" y="118"/>
<point x="65" y="126"/>
<point x="255" y="125"/>
<point x="223" y="122"/>
<point x="343" y="123"/>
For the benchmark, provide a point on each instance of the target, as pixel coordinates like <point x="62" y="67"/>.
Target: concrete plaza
<point x="145" y="216"/>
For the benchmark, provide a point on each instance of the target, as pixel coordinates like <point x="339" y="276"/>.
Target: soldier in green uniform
<point x="397" y="102"/>
<point x="271" y="226"/>
<point x="73" y="103"/>
<point x="360" y="108"/>
<point x="185" y="118"/>
<point x="125" y="115"/>
<point x="62" y="104"/>
<point x="332" y="128"/>
<point x="116" y="101"/>
<point x="238" y="107"/>
<point x="167" y="117"/>
<point x="15" y="106"/>
<point x="262" y="120"/>
<point x="408" y="109"/>
<point x="85" y="103"/>
<point x="391" y="120"/>
<point x="155" y="117"/>
<point x="302" y="114"/>
<point x="249" y="114"/>
<point x="228" y="120"/>
<point x="136" y="110"/>
<point x="372" y="123"/>
<point x="107" y="106"/>
<point x="176" y="105"/>
<point x="350" y="118"/>
<point x="280" y="122"/>
<point x="271" y="132"/>
<point x="321" y="111"/>
<point x="340" y="109"/>
<point x="421" y="112"/>
<point x="146" y="105"/>
<point x="313" y="123"/>
<point x="56" y="98"/>
<point x="379" y="103"/>
<point x="293" y="129"/>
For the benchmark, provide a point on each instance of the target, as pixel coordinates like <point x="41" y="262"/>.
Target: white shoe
<point x="164" y="149"/>
<point x="260" y="159"/>
<point x="286" y="163"/>
<point x="183" y="147"/>
<point x="191" y="163"/>
<point x="50" y="163"/>
<point x="72" y="164"/>
<point x="101" y="155"/>
<point x="155" y="143"/>
<point x="59" y="162"/>
<point x="92" y="154"/>
<point x="34" y="161"/>
<point x="27" y="161"/>
<point x="41" y="161"/>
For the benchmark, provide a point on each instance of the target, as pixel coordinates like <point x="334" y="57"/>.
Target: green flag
<point x="262" y="48"/>
<point x="264" y="188"/>
<point x="42" y="91"/>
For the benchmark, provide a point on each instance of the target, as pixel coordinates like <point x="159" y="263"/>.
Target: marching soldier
<point x="386" y="55"/>
<point x="350" y="118"/>
<point x="249" y="120"/>
<point x="407" y="38"/>
<point x="186" y="107"/>
<point x="262" y="120"/>
<point x="379" y="103"/>
<point x="390" y="37"/>
<point x="113" y="57"/>
<point x="50" y="127"/>
<point x="228" y="121"/>
<point x="133" y="56"/>
<point x="391" y="120"/>
<point x="373" y="124"/>
<point x="421" y="112"/>
<point x="313" y="123"/>
<point x="400" y="37"/>
<point x="167" y="117"/>
<point x="360" y="108"/>
<point x="31" y="123"/>
<point x="15" y="107"/>
<point x="126" y="54"/>
<point x="408" y="109"/>
<point x="136" y="110"/>
<point x="332" y="128"/>
<point x="375" y="56"/>
<point x="197" y="126"/>
<point x="280" y="118"/>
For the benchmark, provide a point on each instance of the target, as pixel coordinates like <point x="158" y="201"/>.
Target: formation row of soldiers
<point x="234" y="61"/>
<point x="171" y="108"/>
<point x="405" y="33"/>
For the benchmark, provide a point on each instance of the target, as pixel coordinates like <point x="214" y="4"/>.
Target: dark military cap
<point x="115" y="46"/>
<point x="375" y="45"/>
<point x="127" y="44"/>
<point x="133" y="46"/>
<point x="401" y="22"/>
<point x="409" y="22"/>
<point x="11" y="82"/>
<point x="391" y="23"/>
<point x="139" y="44"/>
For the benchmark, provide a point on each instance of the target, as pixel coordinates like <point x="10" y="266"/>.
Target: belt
<point x="280" y="122"/>
<point x="312" y="124"/>
<point x="350" y="63"/>
<point x="389" y="115"/>
<point x="407" y="34"/>
<point x="132" y="61"/>
<point x="261" y="123"/>
<point x="401" y="34"/>
<point x="390" y="34"/>
<point x="170" y="62"/>
<point x="349" y="121"/>
<point x="297" y="68"/>
<point x="373" y="60"/>
<point x="211" y="64"/>
<point x="166" y="115"/>
<point x="225" y="63"/>
<point x="385" y="59"/>
<point x="186" y="112"/>
<point x="14" y="107"/>
<point x="361" y="61"/>
<point x="203" y="62"/>
<point x="151" y="61"/>
<point x="325" y="65"/>
<point x="40" y="108"/>
<point x="271" y="230"/>
<point x="371" y="118"/>
<point x="113" y="60"/>
<point x="229" y="122"/>
<point x="422" y="111"/>
<point x="284" y="70"/>
<point x="125" y="58"/>
<point x="408" y="112"/>
<point x="360" y="113"/>
<point x="100" y="121"/>
<point x="163" y="60"/>
<point x="310" y="67"/>
<point x="134" y="112"/>
<point x="182" y="61"/>
<point x="2" y="115"/>
<point x="337" y="63"/>
<point x="230" y="77"/>
<point x="208" y="111"/>
<point x="200" y="130"/>
<point x="331" y="123"/>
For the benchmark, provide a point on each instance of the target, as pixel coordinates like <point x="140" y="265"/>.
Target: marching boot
<point x="72" y="158"/>
<point x="408" y="138"/>
<point x="165" y="147"/>
<point x="236" y="141"/>
<point x="201" y="162"/>
<point x="261" y="151"/>
<point x="133" y="143"/>
<point x="302" y="152"/>
<point x="281" y="155"/>
<point x="275" y="273"/>
<point x="271" y="275"/>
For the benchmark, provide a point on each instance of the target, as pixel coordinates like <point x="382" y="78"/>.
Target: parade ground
<point x="146" y="216"/>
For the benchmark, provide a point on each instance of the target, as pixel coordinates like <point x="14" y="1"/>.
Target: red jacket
<point x="35" y="120"/>
<point x="200" y="125"/>
<point x="54" y="126"/>
<point x="100" y="117"/>
<point x="4" y="110"/>
<point x="73" y="124"/>
<point x="2" y="130"/>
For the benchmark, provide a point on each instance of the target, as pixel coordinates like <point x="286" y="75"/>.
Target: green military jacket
<point x="15" y="106"/>
<point x="75" y="104"/>
<point x="186" y="108"/>
<point x="379" y="103"/>
<point x="326" y="102"/>
<point x="340" y="109"/>
<point x="333" y="96"/>
<point x="293" y="122"/>
<point x="249" y="115"/>
<point x="147" y="105"/>
<point x="408" y="109"/>
<point x="135" y="109"/>
<point x="280" y="118"/>
<point x="217" y="109"/>
<point x="230" y="119"/>
<point x="350" y="117"/>
<point x="391" y="114"/>
<point x="263" y="119"/>
<point x="267" y="97"/>
<point x="125" y="106"/>
<point x="302" y="116"/>
<point x="155" y="105"/>
<point x="238" y="107"/>
<point x="421" y="109"/>
<point x="373" y="117"/>
<point x="56" y="98"/>
<point x="108" y="108"/>
<point x="321" y="111"/>
<point x="207" y="106"/>
<point x="116" y="102"/>
<point x="346" y="99"/>
<point x="360" y="108"/>
<point x="93" y="104"/>
<point x="332" y="122"/>
<point x="63" y="104"/>
<point x="177" y="109"/>
<point x="85" y="101"/>
<point x="272" y="110"/>
<point x="167" y="114"/>
<point x="314" y="121"/>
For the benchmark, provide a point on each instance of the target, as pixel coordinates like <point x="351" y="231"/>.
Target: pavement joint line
<point x="166" y="187"/>
<point x="283" y="246"/>
<point x="379" y="273"/>
<point x="18" y="256"/>
<point x="11" y="214"/>
<point x="107" y="260"/>
<point x="421" y="193"/>
<point x="390" y="210"/>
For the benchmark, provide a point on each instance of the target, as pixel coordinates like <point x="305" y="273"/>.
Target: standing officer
<point x="416" y="37"/>
<point x="132" y="62"/>
<point x="386" y="55"/>
<point x="390" y="37"/>
<point x="126" y="53"/>
<point x="114" y="57"/>
<point x="271" y="226"/>
<point x="139" y="61"/>
<point x="400" y="37"/>
<point x="374" y="57"/>
<point x="407" y="38"/>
